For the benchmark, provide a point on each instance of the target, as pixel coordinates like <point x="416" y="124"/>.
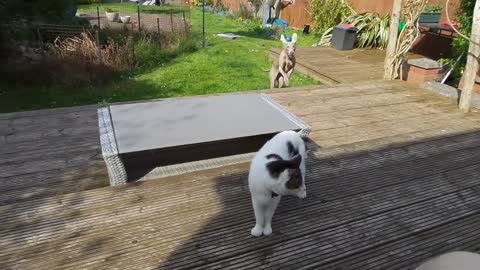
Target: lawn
<point x="224" y="66"/>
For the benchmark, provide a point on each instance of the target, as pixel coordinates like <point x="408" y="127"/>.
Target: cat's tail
<point x="276" y="167"/>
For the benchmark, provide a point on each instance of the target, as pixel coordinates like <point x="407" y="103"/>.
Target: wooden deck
<point x="331" y="66"/>
<point x="394" y="181"/>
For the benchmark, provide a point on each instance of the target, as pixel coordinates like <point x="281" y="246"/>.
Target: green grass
<point x="224" y="66"/>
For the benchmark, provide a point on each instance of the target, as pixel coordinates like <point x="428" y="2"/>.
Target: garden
<point x="165" y="65"/>
<point x="166" y="61"/>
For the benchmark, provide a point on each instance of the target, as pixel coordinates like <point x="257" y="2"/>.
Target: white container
<point x="125" y="19"/>
<point x="112" y="16"/>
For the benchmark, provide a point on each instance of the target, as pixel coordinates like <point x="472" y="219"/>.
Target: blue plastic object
<point x="288" y="38"/>
<point x="281" y="23"/>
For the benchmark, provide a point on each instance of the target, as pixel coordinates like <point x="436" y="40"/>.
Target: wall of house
<point x="298" y="14"/>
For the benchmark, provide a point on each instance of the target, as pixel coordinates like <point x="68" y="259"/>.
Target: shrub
<point x="373" y="30"/>
<point x="460" y="45"/>
<point x="328" y="13"/>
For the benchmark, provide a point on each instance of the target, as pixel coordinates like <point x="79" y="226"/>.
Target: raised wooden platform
<point x="331" y="66"/>
<point x="393" y="182"/>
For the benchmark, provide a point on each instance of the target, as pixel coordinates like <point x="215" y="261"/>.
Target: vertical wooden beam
<point x="471" y="68"/>
<point x="392" y="40"/>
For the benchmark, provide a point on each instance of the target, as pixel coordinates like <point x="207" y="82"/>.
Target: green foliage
<point x="224" y="66"/>
<point x="434" y="8"/>
<point x="460" y="45"/>
<point x="373" y="30"/>
<point x="328" y="13"/>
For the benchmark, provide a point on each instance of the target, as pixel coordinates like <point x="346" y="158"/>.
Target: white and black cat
<point x="277" y="169"/>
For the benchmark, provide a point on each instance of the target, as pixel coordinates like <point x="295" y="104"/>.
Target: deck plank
<point x="394" y="170"/>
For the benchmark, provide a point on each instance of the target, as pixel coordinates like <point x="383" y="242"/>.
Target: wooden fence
<point x="298" y="14"/>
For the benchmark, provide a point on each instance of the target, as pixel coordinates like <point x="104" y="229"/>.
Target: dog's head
<point x="290" y="45"/>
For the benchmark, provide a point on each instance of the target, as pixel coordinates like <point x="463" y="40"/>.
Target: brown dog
<point x="280" y="72"/>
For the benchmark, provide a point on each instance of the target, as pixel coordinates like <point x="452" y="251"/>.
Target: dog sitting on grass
<point x="280" y="72"/>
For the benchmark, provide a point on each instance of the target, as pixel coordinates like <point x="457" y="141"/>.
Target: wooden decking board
<point x="47" y="124"/>
<point x="66" y="142"/>
<point x="346" y="237"/>
<point x="402" y="170"/>
<point x="350" y="166"/>
<point x="398" y="255"/>
<point x="311" y="221"/>
<point x="86" y="152"/>
<point x="352" y="104"/>
<point x="350" y="66"/>
<point x="85" y="129"/>
<point x="418" y="168"/>
<point x="348" y="134"/>
<point x="32" y="166"/>
<point x="414" y="248"/>
<point x="247" y="201"/>
<point x="307" y="214"/>
<point x="40" y="188"/>
<point x="25" y="180"/>
<point x="157" y="250"/>
<point x="48" y="112"/>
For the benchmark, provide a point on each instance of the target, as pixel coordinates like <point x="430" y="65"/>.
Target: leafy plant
<point x="328" y="13"/>
<point x="372" y="32"/>
<point x="460" y="45"/>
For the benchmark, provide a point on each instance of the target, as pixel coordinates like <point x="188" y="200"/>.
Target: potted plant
<point x="112" y="15"/>
<point x="431" y="14"/>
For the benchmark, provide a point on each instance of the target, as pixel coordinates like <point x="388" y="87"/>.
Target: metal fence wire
<point x="139" y="17"/>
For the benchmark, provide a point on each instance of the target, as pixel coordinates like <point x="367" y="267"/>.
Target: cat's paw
<point x="267" y="230"/>
<point x="257" y="231"/>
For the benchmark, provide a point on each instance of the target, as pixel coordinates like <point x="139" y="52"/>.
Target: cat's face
<point x="295" y="183"/>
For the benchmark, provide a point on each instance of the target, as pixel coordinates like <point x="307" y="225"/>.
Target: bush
<point x="460" y="45"/>
<point x="328" y="13"/>
<point x="373" y="30"/>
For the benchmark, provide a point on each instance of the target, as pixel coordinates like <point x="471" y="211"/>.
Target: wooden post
<point x="392" y="40"/>
<point x="138" y="15"/>
<point x="171" y="18"/>
<point x="203" y="23"/>
<point x="97" y="41"/>
<point x="471" y="68"/>
<point x="98" y="17"/>
<point x="185" y="24"/>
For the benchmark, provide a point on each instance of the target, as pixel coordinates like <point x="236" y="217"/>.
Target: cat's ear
<point x="275" y="168"/>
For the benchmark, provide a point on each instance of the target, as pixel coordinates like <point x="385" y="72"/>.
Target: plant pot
<point x="125" y="19"/>
<point x="430" y="17"/>
<point x="112" y="16"/>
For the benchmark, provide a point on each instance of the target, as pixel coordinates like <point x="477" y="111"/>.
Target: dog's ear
<point x="282" y="38"/>
<point x="294" y="38"/>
